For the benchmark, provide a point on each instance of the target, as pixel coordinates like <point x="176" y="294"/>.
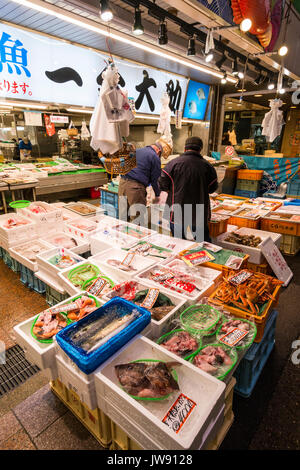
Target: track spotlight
<point x="281" y="91"/>
<point x="246" y="25"/>
<point x="235" y="67"/>
<point x="191" y="46"/>
<point x="162" y="33"/>
<point x="209" y="57"/>
<point x="105" y="11"/>
<point x="271" y="84"/>
<point x="221" y="61"/>
<point x="241" y="75"/>
<point x="138" y="28"/>
<point x="258" y="80"/>
<point x="283" y="50"/>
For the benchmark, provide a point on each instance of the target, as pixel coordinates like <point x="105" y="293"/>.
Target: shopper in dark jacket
<point x="188" y="180"/>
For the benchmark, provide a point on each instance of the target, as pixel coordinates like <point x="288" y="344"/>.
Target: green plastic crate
<point x="248" y="185"/>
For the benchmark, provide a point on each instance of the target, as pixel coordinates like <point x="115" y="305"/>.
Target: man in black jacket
<point x="188" y="180"/>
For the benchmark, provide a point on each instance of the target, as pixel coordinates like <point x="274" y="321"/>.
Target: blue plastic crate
<point x="6" y="258"/>
<point x="248" y="194"/>
<point x="293" y="188"/>
<point x="255" y="359"/>
<point x="87" y="362"/>
<point x="110" y="203"/>
<point x="23" y="274"/>
<point x="54" y="295"/>
<point x="1" y="252"/>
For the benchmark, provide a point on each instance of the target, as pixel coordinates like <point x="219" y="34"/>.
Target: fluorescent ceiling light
<point x="82" y="111"/>
<point x="5" y="104"/>
<point x="22" y="104"/>
<point x="102" y="30"/>
<point x="146" y="116"/>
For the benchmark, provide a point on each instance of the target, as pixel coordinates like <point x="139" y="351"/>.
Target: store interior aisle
<point x="32" y="417"/>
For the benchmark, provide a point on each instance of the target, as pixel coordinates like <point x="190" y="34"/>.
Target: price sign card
<point x="276" y="261"/>
<point x="150" y="299"/>
<point x="179" y="413"/>
<point x="198" y="257"/>
<point x="128" y="259"/>
<point x="233" y="337"/>
<point x="97" y="286"/>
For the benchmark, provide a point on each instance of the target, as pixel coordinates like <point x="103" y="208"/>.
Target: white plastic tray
<point x="207" y="392"/>
<point x="255" y="254"/>
<point x="159" y="328"/>
<point x="138" y="264"/>
<point x="46" y="222"/>
<point x="51" y="269"/>
<point x="211" y="275"/>
<point x="20" y="234"/>
<point x="82" y="245"/>
<point x="17" y="252"/>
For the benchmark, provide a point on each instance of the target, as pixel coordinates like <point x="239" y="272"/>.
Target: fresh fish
<point x="147" y="379"/>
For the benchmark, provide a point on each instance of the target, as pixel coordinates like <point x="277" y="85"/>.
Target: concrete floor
<point x="31" y="417"/>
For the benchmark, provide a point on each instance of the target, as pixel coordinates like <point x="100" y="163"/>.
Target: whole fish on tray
<point x="94" y="334"/>
<point x="147" y="379"/>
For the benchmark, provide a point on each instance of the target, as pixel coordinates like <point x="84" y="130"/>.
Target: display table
<point x="21" y="187"/>
<point x="65" y="183"/>
<point x="3" y="188"/>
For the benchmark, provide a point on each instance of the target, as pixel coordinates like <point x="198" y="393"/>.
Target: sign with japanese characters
<point x="33" y="118"/>
<point x="35" y="67"/>
<point x="59" y="119"/>
<point x="276" y="261"/>
<point x="179" y="413"/>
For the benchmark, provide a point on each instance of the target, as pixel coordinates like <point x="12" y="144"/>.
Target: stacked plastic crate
<point x="248" y="183"/>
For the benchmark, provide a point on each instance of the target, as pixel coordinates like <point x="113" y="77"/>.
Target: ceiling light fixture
<point x="162" y="33"/>
<point x="82" y="111"/>
<point x="282" y="51"/>
<point x="191" y="51"/>
<point x="271" y="84"/>
<point x="138" y="28"/>
<point x="220" y="62"/>
<point x="106" y="14"/>
<point x="244" y="26"/>
<point x="209" y="57"/>
<point x="235" y="67"/>
<point x="90" y="25"/>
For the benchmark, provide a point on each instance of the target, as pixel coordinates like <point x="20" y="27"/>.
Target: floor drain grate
<point x="16" y="370"/>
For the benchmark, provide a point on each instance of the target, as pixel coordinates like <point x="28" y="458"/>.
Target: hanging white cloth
<point x="85" y="133"/>
<point x="164" y="125"/>
<point x="209" y="44"/>
<point x="107" y="133"/>
<point x="273" y="121"/>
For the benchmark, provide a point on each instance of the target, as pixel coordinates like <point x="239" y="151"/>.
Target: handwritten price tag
<point x="128" y="259"/>
<point x="179" y="413"/>
<point x="150" y="299"/>
<point x="233" y="337"/>
<point x="97" y="286"/>
<point x="241" y="277"/>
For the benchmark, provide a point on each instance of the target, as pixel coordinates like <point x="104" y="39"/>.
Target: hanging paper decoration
<point x="85" y="133"/>
<point x="50" y="127"/>
<point x="112" y="114"/>
<point x="273" y="121"/>
<point x="164" y="125"/>
<point x="209" y="44"/>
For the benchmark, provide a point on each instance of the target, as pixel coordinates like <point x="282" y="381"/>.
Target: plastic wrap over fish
<point x="92" y="340"/>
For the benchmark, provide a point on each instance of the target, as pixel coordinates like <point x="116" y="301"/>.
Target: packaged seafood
<point x="93" y="339"/>
<point x="201" y="271"/>
<point x="144" y="248"/>
<point x="15" y="221"/>
<point x="133" y="230"/>
<point x="237" y="332"/>
<point x="16" y="229"/>
<point x="81" y="208"/>
<point x="221" y="257"/>
<point x="119" y="261"/>
<point x="63" y="240"/>
<point x="83" y="273"/>
<point x="47" y="324"/>
<point x="252" y="295"/>
<point x="27" y="253"/>
<point x="55" y="260"/>
<point x="180" y="342"/>
<point x="201" y="319"/>
<point x="169" y="243"/>
<point x="215" y="359"/>
<point x="131" y="290"/>
<point x="187" y="285"/>
<point x="147" y="379"/>
<point x="248" y="240"/>
<point x="62" y="260"/>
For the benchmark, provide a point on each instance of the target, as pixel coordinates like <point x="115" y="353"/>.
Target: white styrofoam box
<point x="207" y="392"/>
<point x="68" y="215"/>
<point x="83" y="385"/>
<point x="84" y="228"/>
<point x="71" y="289"/>
<point x="46" y="222"/>
<point x="212" y="275"/>
<point x="18" y="252"/>
<point x="51" y="374"/>
<point x="82" y="245"/>
<point x="204" y="286"/>
<point x="71" y="364"/>
<point x="163" y="326"/>
<point x="41" y="354"/>
<point x="175" y="244"/>
<point x="232" y="228"/>
<point x="19" y="234"/>
<point x="138" y="264"/>
<point x="56" y="284"/>
<point x="145" y="233"/>
<point x="51" y="269"/>
<point x="255" y="254"/>
<point x="71" y="206"/>
<point x="105" y="238"/>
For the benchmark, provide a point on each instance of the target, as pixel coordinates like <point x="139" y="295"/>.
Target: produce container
<point x="158" y="327"/>
<point x="170" y="243"/>
<point x="290" y="244"/>
<point x="88" y="360"/>
<point x="218" y="225"/>
<point x="83" y="209"/>
<point x="252" y="364"/>
<point x="245" y="193"/>
<point x="134" y="231"/>
<point x="106" y="238"/>
<point x="293" y="188"/>
<point x="263" y="268"/>
<point x="247" y="185"/>
<point x="201" y="319"/>
<point x="246" y="217"/>
<point x="224" y="369"/>
<point x="260" y="320"/>
<point x="67" y="274"/>
<point x="168" y="336"/>
<point x="84" y="228"/>
<point x="255" y="254"/>
<point x="255" y="175"/>
<point x="110" y="203"/>
<point x="47" y="260"/>
<point x="120" y="262"/>
<point x="247" y="341"/>
<point x="46" y="222"/>
<point x="63" y="240"/>
<point x="143" y="420"/>
<point x="232" y="200"/>
<point x="284" y="223"/>
<point x="221" y="257"/>
<point x="26" y="253"/>
<point x="16" y="234"/>
<point x="189" y="290"/>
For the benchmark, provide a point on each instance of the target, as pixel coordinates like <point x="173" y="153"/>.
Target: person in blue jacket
<point x="147" y="172"/>
<point x="25" y="147"/>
